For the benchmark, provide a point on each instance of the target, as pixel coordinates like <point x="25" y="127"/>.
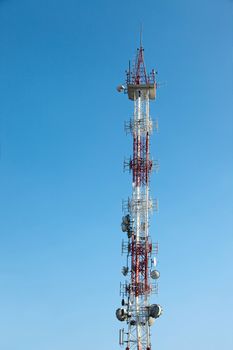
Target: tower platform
<point x="132" y="88"/>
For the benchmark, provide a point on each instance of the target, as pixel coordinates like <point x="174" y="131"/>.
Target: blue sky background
<point x="61" y="180"/>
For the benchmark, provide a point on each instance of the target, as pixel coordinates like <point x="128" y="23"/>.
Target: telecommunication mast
<point x="140" y="270"/>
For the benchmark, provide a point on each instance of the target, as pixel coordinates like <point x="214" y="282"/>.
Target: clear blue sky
<point x="61" y="180"/>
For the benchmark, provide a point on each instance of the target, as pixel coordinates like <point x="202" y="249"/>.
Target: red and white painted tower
<point x="140" y="270"/>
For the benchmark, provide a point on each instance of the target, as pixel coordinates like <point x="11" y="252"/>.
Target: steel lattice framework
<point x="140" y="270"/>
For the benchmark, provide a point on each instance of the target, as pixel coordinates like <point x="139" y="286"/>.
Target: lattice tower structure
<point x="141" y="254"/>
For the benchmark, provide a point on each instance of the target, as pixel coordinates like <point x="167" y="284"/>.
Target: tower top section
<point x="137" y="80"/>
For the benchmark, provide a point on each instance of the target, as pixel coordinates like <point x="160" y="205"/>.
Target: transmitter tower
<point x="140" y="270"/>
